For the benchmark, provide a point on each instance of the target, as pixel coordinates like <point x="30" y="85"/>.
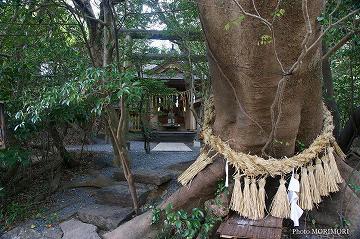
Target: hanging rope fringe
<point x="315" y="195"/>
<point x="329" y="177"/>
<point x="334" y="169"/>
<point x="317" y="179"/>
<point x="254" y="209"/>
<point x="280" y="206"/>
<point x="246" y="199"/>
<point x="202" y="161"/>
<point x="306" y="201"/>
<point x="337" y="149"/>
<point x="261" y="198"/>
<point x="320" y="179"/>
<point x="237" y="201"/>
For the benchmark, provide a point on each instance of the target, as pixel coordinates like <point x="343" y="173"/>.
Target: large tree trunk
<point x="243" y="69"/>
<point x="245" y="77"/>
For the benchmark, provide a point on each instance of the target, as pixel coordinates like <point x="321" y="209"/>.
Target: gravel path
<point x="139" y="159"/>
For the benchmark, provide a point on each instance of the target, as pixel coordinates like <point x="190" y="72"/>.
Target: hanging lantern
<point x="2" y="125"/>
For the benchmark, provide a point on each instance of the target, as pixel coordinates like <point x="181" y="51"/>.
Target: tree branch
<point x="340" y="43"/>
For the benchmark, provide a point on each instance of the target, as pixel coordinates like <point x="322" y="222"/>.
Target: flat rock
<point x="75" y="229"/>
<point x="180" y="167"/>
<point x="52" y="233"/>
<point x="119" y="195"/>
<point x="103" y="216"/>
<point x="22" y="233"/>
<point x="147" y="176"/>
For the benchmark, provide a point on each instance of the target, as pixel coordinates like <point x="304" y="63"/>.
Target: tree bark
<point x="59" y="144"/>
<point x="329" y="95"/>
<point x="350" y="131"/>
<point x="244" y="70"/>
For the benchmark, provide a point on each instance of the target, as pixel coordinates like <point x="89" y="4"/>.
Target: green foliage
<point x="345" y="62"/>
<point x="42" y="49"/>
<point x="353" y="184"/>
<point x="11" y="156"/>
<point x="180" y="224"/>
<point x="220" y="187"/>
<point x="96" y="88"/>
<point x="12" y="212"/>
<point x="265" y="39"/>
<point x="279" y="12"/>
<point x="300" y="146"/>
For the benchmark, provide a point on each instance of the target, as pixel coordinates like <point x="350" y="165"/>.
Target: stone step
<point x="22" y="233"/>
<point x="147" y="176"/>
<point x="103" y="216"/>
<point x="76" y="229"/>
<point x="119" y="195"/>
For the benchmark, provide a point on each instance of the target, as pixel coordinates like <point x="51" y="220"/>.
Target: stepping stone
<point x="147" y="176"/>
<point x="103" y="216"/>
<point x="171" y="147"/>
<point x="22" y="233"/>
<point x="75" y="229"/>
<point x="52" y="232"/>
<point x="119" y="195"/>
<point x="180" y="167"/>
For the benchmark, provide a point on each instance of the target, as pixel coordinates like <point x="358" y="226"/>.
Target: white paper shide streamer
<point x="227" y="174"/>
<point x="293" y="190"/>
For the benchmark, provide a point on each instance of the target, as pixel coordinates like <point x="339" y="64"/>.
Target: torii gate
<point x="130" y="34"/>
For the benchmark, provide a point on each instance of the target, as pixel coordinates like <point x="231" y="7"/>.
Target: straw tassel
<point x="330" y="180"/>
<point x="246" y="199"/>
<point x="254" y="209"/>
<point x="333" y="166"/>
<point x="261" y="198"/>
<point x="338" y="150"/>
<point x="315" y="195"/>
<point x="237" y="202"/>
<point x="320" y="179"/>
<point x="280" y="206"/>
<point x="306" y="201"/>
<point x="202" y="161"/>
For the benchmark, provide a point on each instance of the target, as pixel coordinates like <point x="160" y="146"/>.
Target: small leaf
<point x="227" y="26"/>
<point x="320" y="19"/>
<point x="178" y="224"/>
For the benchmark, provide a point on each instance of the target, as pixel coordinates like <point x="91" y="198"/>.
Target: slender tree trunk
<point x="118" y="127"/>
<point x="59" y="144"/>
<point x="329" y="95"/>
